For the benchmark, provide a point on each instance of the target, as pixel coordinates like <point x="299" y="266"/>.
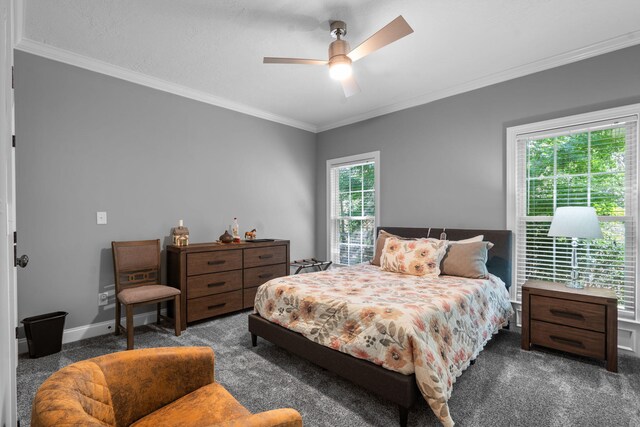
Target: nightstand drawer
<point x="214" y="261"/>
<point x="571" y="313"/>
<point x="566" y="338"/>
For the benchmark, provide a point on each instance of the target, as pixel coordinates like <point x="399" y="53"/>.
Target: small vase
<point x="226" y="237"/>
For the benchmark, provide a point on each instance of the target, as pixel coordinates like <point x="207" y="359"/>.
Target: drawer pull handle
<point x="216" y="262"/>
<point x="567" y="341"/>
<point x="265" y="275"/>
<point x="266" y="256"/>
<point x="567" y="314"/>
<point x="211" y="307"/>
<point x="211" y="285"/>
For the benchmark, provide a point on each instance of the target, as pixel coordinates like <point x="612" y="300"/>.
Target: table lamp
<point x="576" y="222"/>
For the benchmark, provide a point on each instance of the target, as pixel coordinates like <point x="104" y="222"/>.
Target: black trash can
<point x="44" y="333"/>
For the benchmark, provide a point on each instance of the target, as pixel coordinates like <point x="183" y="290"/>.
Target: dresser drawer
<point x="214" y="283"/>
<point x="256" y="257"/>
<point x="213" y="305"/>
<point x="571" y="313"/>
<point x="566" y="338"/>
<point x="214" y="261"/>
<point x="249" y="297"/>
<point x="256" y="276"/>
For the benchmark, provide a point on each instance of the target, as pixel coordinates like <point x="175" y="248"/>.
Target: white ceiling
<point x="213" y="49"/>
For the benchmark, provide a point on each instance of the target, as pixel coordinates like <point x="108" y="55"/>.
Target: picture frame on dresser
<point x="217" y="278"/>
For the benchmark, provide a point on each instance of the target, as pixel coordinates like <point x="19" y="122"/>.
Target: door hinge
<point x="17" y="332"/>
<point x="13" y="141"/>
<point x="15" y="237"/>
<point x="15" y="248"/>
<point x="12" y="84"/>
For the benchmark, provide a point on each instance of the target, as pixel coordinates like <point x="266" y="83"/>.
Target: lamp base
<point x="574" y="284"/>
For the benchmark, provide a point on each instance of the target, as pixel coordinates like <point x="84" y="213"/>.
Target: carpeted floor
<point x="506" y="387"/>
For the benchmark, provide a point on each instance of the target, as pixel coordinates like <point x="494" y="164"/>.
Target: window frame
<point x="512" y="135"/>
<point x="372" y="156"/>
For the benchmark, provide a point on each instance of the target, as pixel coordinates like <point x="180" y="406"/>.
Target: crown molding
<point x="610" y="45"/>
<point x="91" y="64"/>
<point x="30" y="46"/>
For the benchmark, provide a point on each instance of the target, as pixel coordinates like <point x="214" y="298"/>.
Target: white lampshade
<point x="575" y="221"/>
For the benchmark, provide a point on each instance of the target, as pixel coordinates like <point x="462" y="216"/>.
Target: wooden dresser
<point x="217" y="278"/>
<point x="578" y="321"/>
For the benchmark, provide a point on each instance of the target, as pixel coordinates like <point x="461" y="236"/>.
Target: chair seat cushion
<point x="208" y="405"/>
<point x="146" y="293"/>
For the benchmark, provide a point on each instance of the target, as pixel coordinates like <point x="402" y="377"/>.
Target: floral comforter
<point x="430" y="326"/>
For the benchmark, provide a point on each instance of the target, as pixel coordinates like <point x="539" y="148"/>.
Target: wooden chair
<point x="136" y="267"/>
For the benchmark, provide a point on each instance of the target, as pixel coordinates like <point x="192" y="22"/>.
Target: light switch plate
<point x="101" y="218"/>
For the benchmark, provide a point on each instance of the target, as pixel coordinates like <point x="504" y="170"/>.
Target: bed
<point x="399" y="336"/>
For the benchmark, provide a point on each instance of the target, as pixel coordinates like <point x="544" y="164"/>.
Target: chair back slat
<point x="139" y="277"/>
<point x="136" y="263"/>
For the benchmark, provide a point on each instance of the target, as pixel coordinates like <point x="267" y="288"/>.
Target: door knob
<point x="22" y="261"/>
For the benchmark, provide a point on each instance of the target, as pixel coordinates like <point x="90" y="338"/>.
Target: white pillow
<point x="477" y="238"/>
<point x="473" y="239"/>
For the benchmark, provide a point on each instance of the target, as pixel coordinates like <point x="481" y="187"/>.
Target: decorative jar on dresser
<point x="217" y="278"/>
<point x="578" y="321"/>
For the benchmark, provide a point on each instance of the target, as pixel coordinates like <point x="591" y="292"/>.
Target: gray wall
<point x="88" y="142"/>
<point x="444" y="163"/>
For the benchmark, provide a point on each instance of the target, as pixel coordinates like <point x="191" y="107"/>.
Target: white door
<point x="8" y="300"/>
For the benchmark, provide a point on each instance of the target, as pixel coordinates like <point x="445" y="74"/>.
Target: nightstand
<point x="578" y="321"/>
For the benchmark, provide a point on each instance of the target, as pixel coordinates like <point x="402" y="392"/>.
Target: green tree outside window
<point x="583" y="169"/>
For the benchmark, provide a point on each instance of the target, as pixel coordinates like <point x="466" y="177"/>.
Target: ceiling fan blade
<point x="393" y="31"/>
<point x="270" y="60"/>
<point x="350" y="86"/>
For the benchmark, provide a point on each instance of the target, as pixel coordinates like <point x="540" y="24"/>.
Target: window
<point x="352" y="192"/>
<point x="578" y="163"/>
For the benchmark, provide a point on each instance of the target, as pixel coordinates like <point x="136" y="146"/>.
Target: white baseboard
<point x="627" y="342"/>
<point x="96" y="329"/>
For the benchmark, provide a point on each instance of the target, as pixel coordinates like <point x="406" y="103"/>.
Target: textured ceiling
<point x="216" y="47"/>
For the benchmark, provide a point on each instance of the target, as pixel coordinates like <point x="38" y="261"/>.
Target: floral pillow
<point x="417" y="257"/>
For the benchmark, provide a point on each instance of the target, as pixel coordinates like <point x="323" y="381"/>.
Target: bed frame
<point x="398" y="388"/>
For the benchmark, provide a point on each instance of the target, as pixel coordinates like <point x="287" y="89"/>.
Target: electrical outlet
<point x="103" y="298"/>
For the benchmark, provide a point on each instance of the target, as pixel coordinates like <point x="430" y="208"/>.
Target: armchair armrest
<point x="276" y="418"/>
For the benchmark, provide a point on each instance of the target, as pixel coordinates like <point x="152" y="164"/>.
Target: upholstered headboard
<point x="499" y="262"/>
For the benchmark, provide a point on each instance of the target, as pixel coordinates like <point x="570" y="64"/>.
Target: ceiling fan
<point x="341" y="57"/>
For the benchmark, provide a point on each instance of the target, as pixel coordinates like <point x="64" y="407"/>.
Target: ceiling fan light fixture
<point x="341" y="55"/>
<point x="340" y="68"/>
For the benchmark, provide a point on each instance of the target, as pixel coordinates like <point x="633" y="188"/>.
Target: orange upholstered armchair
<point x="171" y="386"/>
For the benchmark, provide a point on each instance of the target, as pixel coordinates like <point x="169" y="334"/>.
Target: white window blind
<point x="593" y="164"/>
<point x="352" y="209"/>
